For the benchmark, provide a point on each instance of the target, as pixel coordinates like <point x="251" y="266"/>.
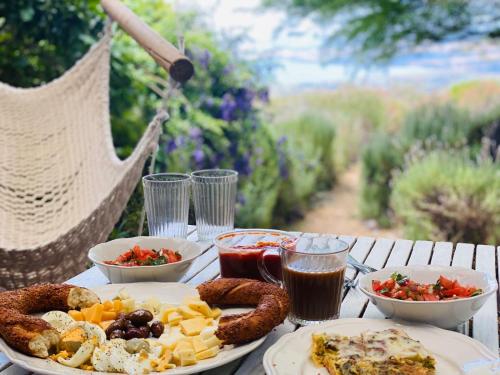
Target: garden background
<point x="427" y="158"/>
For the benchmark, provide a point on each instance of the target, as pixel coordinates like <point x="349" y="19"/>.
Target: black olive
<point x="117" y="325"/>
<point x="133" y="333"/>
<point x="140" y="317"/>
<point x="129" y="325"/>
<point x="157" y="328"/>
<point x="116" y="334"/>
<point x="145" y="331"/>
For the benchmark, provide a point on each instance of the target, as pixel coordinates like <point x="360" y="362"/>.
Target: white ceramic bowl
<point x="165" y="272"/>
<point x="445" y="314"/>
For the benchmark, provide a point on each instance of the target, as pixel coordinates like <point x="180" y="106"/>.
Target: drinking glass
<point x="313" y="275"/>
<point x="214" y="196"/>
<point x="166" y="198"/>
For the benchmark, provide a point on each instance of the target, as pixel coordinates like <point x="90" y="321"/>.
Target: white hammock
<point x="62" y="187"/>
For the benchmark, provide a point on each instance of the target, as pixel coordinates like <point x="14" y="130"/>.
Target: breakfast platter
<point x="210" y="320"/>
<point x="171" y="294"/>
<point x="452" y="351"/>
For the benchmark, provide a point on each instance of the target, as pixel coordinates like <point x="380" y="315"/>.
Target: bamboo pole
<point x="179" y="66"/>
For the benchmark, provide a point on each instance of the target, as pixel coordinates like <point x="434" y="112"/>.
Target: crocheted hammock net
<point x="62" y="187"/>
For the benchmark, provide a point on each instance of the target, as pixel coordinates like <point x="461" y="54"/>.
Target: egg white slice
<point x="91" y="330"/>
<point x="80" y="357"/>
<point x="59" y="320"/>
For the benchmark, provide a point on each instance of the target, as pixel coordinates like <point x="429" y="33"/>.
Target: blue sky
<point x="297" y="54"/>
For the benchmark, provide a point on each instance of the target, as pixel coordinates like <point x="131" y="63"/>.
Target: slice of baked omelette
<point x="389" y="352"/>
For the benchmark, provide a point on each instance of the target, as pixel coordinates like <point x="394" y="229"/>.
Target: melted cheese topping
<point x="380" y="346"/>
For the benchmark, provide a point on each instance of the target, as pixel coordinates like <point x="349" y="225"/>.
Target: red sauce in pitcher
<point x="242" y="261"/>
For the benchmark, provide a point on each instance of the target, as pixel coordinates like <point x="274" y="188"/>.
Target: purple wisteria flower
<point x="205" y="58"/>
<point x="170" y="146"/>
<point x="228" y="69"/>
<point x="195" y="133"/>
<point x="263" y="95"/>
<point x="242" y="165"/>
<point x="198" y="157"/>
<point x="244" y="98"/>
<point x="228" y="108"/>
<point x="240" y="198"/>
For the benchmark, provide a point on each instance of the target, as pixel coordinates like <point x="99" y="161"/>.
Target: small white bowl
<point x="446" y="314"/>
<point x="106" y="251"/>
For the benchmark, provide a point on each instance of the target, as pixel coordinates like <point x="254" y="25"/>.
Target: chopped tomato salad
<point x="401" y="287"/>
<point x="145" y="257"/>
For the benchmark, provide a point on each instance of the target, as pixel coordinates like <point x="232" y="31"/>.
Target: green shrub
<point x="434" y="125"/>
<point x="447" y="197"/>
<point x="380" y="160"/>
<point x="306" y="162"/>
<point x="426" y="128"/>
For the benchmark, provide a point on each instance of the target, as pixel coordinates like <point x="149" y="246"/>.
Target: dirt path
<point x="337" y="211"/>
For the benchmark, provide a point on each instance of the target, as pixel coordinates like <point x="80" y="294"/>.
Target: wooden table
<point x="377" y="253"/>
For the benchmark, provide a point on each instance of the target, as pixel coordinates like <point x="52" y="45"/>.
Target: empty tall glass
<point x="166" y="197"/>
<point x="214" y="196"/>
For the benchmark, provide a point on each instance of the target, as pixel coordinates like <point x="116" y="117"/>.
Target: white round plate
<point x="172" y="293"/>
<point x="453" y="351"/>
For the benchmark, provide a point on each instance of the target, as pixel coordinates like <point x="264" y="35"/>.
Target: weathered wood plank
<point x="442" y="254"/>
<point x="200" y="263"/>
<point x="355" y="300"/>
<point x="360" y="251"/>
<point x="421" y="253"/>
<point x="463" y="257"/>
<point x="398" y="257"/>
<point x="15" y="370"/>
<point x="210" y="272"/>
<point x="485" y="323"/>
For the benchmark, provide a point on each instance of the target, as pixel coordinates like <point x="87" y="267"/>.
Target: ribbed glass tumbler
<point x="214" y="196"/>
<point x="166" y="198"/>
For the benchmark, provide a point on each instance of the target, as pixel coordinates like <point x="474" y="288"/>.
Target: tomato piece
<point x="459" y="292"/>
<point x="400" y="294"/>
<point x="376" y="285"/>
<point x="389" y="284"/>
<point x="430" y="297"/>
<point x="447" y="283"/>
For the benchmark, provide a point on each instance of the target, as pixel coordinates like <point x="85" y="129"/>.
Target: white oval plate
<point x="452" y="350"/>
<point x="172" y="293"/>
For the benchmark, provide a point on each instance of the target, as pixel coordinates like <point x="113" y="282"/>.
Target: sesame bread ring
<point x="32" y="335"/>
<point x="271" y="303"/>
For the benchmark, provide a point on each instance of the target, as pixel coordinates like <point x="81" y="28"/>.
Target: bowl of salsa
<point x="443" y="296"/>
<point x="137" y="259"/>
<point x="240" y="250"/>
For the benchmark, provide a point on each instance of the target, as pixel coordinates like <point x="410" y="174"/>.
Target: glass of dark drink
<point x="313" y="275"/>
<point x="240" y="250"/>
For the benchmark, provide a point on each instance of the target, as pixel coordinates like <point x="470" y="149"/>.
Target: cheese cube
<point x="183" y="345"/>
<point x="96" y="316"/>
<point x="192" y="327"/>
<point x="216" y="313"/>
<point x="117" y="305"/>
<point x="187" y="357"/>
<point x="108" y="315"/>
<point x="108" y="305"/>
<point x="171" y="340"/>
<point x="209" y="353"/>
<point x="198" y="344"/>
<point x="76" y="315"/>
<point x="212" y="341"/>
<point x="128" y="305"/>
<point x="201" y="306"/>
<point x="174" y="318"/>
<point x="188" y="312"/>
<point x="166" y="312"/>
<point x="208" y="332"/>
